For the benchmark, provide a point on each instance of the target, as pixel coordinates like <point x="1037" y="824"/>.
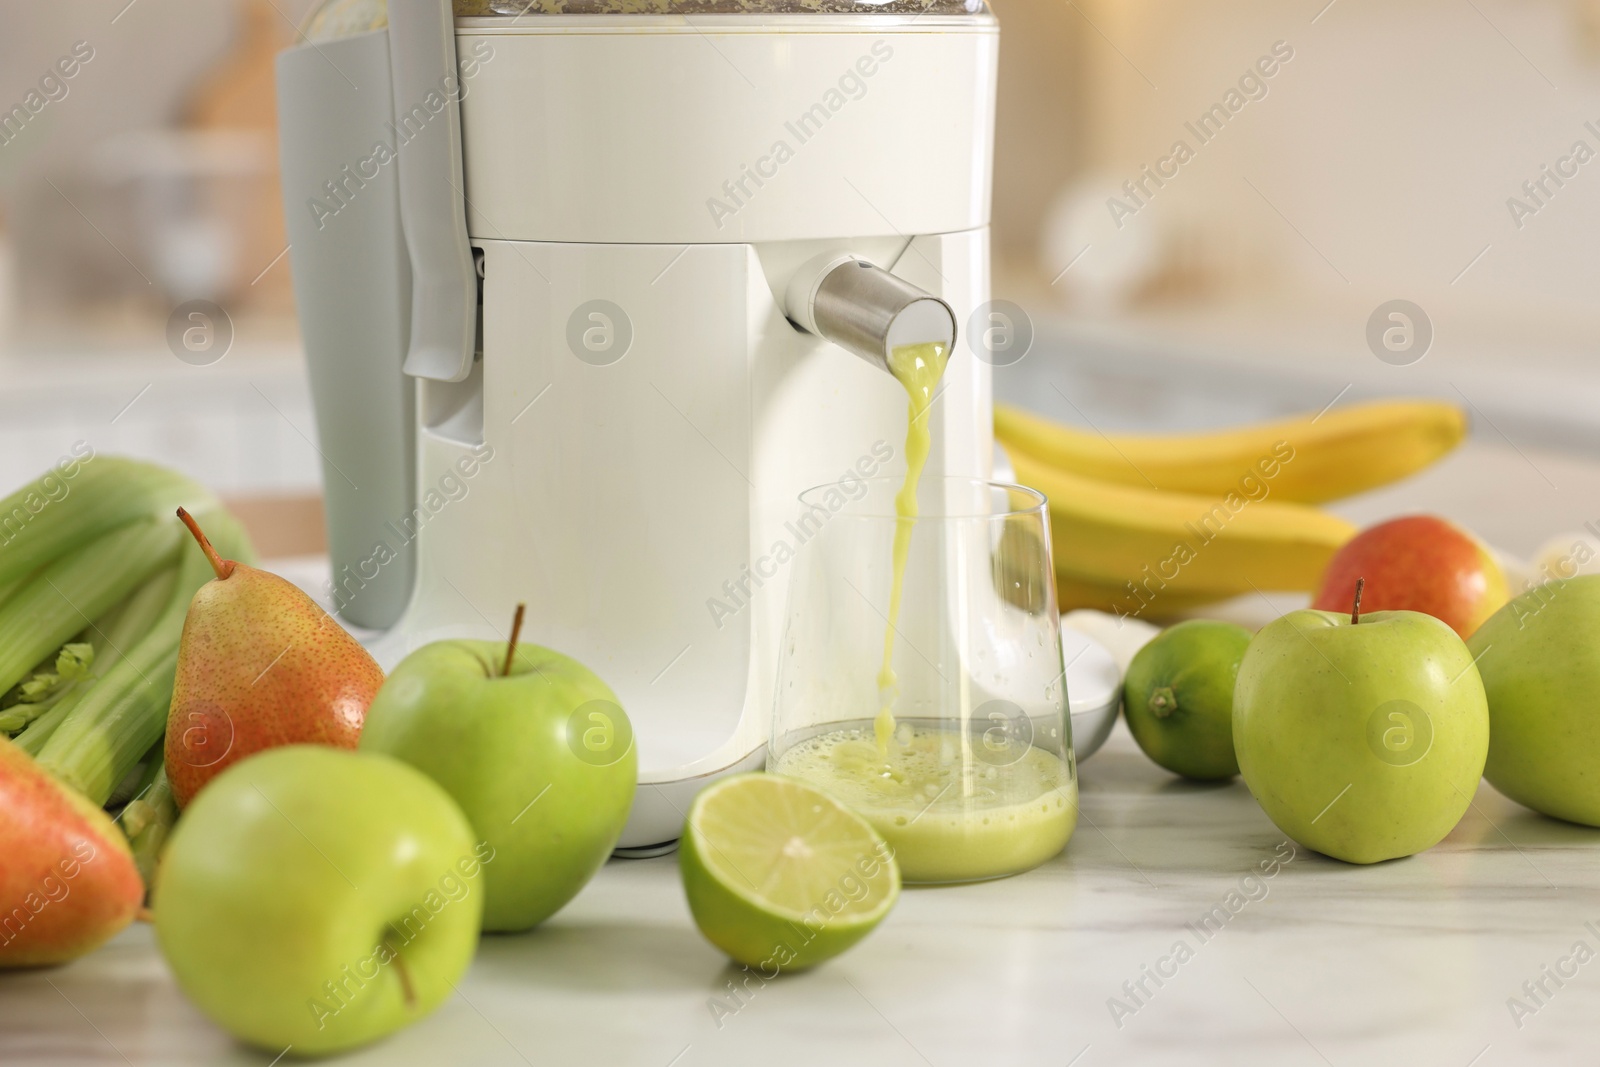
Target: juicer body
<point x="639" y="415"/>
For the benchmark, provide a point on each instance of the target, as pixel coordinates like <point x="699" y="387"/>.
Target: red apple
<point x="1418" y="563"/>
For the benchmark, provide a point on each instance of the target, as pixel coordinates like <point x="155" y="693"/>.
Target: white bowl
<point x="1094" y="690"/>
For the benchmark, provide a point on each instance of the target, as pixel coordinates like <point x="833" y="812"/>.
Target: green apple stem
<point x="223" y="567"/>
<point x="1163" y="702"/>
<point x="511" y="647"/>
<point x="407" y="990"/>
<point x="1355" y="612"/>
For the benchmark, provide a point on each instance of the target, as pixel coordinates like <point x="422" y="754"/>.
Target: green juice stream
<point x="918" y="368"/>
<point x="948" y="815"/>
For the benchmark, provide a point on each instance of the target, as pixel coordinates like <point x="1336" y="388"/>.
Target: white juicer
<point x="592" y="290"/>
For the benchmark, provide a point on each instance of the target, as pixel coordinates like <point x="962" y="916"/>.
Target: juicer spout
<point x="864" y="309"/>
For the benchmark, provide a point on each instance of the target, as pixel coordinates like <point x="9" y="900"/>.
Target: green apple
<point x="1362" y="740"/>
<point x="319" y="899"/>
<point x="541" y="759"/>
<point x="1540" y="660"/>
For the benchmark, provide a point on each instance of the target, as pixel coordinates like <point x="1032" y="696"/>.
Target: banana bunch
<point x="96" y="575"/>
<point x="1154" y="526"/>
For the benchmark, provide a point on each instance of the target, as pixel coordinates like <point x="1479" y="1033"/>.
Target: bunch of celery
<point x="95" y="583"/>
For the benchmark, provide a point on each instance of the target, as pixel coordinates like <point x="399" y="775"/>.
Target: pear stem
<point x="511" y="647"/>
<point x="1355" y="612"/>
<point x="223" y="567"/>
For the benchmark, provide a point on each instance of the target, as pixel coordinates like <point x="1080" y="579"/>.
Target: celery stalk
<point x="81" y="500"/>
<point x="133" y="815"/>
<point x="148" y="820"/>
<point x="138" y="779"/>
<point x="19" y="717"/>
<point x="121" y="627"/>
<point x="32" y="739"/>
<point x="125" y="712"/>
<point x="76" y="589"/>
<point x="15" y="694"/>
<point x="51" y="680"/>
<point x="116" y="721"/>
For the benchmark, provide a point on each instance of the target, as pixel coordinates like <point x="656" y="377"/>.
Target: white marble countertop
<point x="1410" y="962"/>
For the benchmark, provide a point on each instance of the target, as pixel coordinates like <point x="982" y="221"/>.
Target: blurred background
<point x="1382" y="159"/>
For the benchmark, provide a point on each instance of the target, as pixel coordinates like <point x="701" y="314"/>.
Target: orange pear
<point x="259" y="665"/>
<point x="67" y="879"/>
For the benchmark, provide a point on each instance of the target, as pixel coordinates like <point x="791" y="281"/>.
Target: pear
<point x="260" y="665"/>
<point x="67" y="882"/>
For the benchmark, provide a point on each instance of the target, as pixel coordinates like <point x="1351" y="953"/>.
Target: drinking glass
<point x="975" y="778"/>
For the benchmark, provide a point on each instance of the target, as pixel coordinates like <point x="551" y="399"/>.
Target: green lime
<point x="1178" y="697"/>
<point x="781" y="876"/>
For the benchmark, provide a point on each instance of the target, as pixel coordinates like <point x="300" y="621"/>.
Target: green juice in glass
<point x="948" y="816"/>
<point x="951" y="806"/>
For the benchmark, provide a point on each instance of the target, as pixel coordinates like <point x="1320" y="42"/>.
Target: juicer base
<point x="659" y="808"/>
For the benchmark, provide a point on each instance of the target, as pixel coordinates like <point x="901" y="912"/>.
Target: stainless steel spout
<point x="865" y="310"/>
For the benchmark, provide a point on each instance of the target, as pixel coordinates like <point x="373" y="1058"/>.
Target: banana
<point x="1309" y="459"/>
<point x="1172" y="549"/>
<point x="1073" y="594"/>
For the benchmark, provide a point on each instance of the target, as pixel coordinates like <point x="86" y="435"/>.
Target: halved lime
<point x="781" y="876"/>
